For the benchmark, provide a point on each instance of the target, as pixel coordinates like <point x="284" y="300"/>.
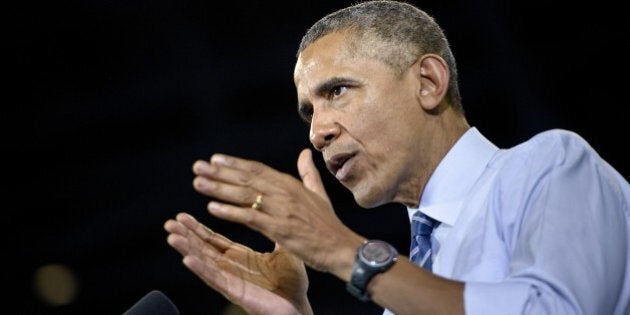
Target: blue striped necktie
<point x="421" y="228"/>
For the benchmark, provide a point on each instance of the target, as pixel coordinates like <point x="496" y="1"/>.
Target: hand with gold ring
<point x="296" y="211"/>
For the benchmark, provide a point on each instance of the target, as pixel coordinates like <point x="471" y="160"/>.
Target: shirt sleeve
<point x="568" y="238"/>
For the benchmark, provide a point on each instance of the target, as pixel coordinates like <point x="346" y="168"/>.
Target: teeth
<point x="338" y="162"/>
<point x="341" y="162"/>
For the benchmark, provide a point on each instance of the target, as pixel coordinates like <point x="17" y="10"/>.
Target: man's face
<point x="365" y="120"/>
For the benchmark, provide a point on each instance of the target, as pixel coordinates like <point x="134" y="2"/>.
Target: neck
<point x="445" y="131"/>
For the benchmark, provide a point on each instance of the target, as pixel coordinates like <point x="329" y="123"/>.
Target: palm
<point x="261" y="283"/>
<point x="278" y="271"/>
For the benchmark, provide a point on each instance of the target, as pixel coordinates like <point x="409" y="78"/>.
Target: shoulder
<point x="549" y="149"/>
<point x="555" y="171"/>
<point x="557" y="143"/>
<point x="558" y="159"/>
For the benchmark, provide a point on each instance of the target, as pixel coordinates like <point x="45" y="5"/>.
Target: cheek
<point x="378" y="134"/>
<point x="379" y="122"/>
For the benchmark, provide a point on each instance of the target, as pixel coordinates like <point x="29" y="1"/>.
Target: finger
<point x="193" y="238"/>
<point x="188" y="223"/>
<point x="175" y="227"/>
<point x="236" y="194"/>
<point x="177" y="236"/>
<point x="207" y="168"/>
<point x="252" y="218"/>
<point x="246" y="165"/>
<point x="309" y="173"/>
<point x="218" y="241"/>
<point x="227" y="173"/>
<point x="179" y="243"/>
<point x="199" y="243"/>
<point x="240" y="186"/>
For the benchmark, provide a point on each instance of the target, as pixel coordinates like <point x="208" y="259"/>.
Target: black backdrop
<point x="110" y="102"/>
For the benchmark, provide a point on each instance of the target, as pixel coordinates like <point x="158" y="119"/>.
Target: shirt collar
<point x="455" y="175"/>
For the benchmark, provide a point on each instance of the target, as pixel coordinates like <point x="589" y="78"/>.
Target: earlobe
<point x="434" y="74"/>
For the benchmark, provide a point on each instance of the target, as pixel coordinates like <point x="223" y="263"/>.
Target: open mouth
<point x="338" y="165"/>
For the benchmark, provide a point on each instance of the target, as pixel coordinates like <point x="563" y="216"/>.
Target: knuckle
<point x="245" y="196"/>
<point x="256" y="168"/>
<point x="245" y="179"/>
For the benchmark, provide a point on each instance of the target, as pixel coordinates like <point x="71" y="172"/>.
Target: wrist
<point x="344" y="259"/>
<point x="372" y="258"/>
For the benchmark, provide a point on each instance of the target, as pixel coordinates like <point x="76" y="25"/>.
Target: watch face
<point x="376" y="252"/>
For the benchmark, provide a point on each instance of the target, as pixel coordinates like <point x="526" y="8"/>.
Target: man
<point x="540" y="228"/>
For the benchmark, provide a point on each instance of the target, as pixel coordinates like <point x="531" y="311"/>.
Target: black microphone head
<point x="154" y="303"/>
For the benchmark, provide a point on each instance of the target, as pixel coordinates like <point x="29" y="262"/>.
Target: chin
<point x="367" y="195"/>
<point x="368" y="200"/>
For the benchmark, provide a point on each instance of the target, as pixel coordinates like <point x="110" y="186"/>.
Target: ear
<point x="433" y="74"/>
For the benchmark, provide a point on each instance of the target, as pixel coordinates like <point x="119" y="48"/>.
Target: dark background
<point x="110" y="102"/>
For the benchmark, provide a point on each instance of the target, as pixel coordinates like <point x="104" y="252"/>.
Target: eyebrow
<point x="326" y="86"/>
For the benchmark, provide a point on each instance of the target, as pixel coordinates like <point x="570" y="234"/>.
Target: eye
<point x="306" y="113"/>
<point x="337" y="91"/>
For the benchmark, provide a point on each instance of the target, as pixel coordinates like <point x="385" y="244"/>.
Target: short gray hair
<point x="394" y="32"/>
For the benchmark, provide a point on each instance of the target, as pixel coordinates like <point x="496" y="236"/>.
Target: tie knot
<point x="421" y="245"/>
<point x="422" y="224"/>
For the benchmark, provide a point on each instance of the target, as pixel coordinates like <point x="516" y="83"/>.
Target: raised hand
<point x="295" y="214"/>
<point x="261" y="283"/>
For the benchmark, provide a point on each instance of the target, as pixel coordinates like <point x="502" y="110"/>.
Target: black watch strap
<point x="373" y="257"/>
<point x="357" y="292"/>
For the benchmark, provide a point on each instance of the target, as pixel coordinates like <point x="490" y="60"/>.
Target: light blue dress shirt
<point x="540" y="228"/>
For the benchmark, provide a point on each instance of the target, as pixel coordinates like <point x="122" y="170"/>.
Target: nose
<point x="324" y="130"/>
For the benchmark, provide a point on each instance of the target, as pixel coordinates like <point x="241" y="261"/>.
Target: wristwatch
<point x="373" y="257"/>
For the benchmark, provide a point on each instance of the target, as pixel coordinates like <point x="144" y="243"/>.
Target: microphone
<point x="154" y="303"/>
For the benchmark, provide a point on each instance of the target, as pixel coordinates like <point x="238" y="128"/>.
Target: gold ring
<point x="258" y="203"/>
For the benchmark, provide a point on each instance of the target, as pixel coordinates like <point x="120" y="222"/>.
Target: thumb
<point x="309" y="173"/>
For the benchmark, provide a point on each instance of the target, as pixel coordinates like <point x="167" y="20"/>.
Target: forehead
<point x="333" y="57"/>
<point x="327" y="53"/>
